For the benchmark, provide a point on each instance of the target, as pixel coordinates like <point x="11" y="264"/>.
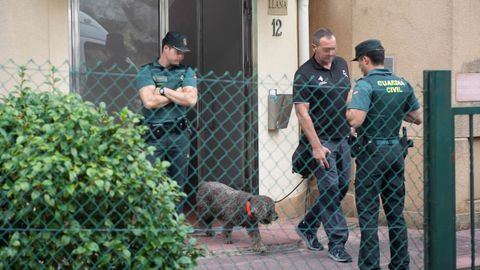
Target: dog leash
<point x="303" y="179"/>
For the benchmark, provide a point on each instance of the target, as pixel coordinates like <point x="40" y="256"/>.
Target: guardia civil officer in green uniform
<point x="377" y="105"/>
<point x="167" y="89"/>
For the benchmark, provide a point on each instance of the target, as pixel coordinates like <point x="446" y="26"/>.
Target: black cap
<point x="176" y="40"/>
<point x="366" y="46"/>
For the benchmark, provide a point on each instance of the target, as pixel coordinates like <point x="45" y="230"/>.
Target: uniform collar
<point x="157" y="65"/>
<point x="316" y="65"/>
<point x="379" y="71"/>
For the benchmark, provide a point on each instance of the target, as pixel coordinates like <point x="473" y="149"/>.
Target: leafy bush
<point x="77" y="191"/>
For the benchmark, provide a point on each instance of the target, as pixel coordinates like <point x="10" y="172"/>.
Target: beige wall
<point x="36" y="30"/>
<point x="465" y="56"/>
<point x="341" y="26"/>
<point x="466" y="50"/>
<point x="33" y="30"/>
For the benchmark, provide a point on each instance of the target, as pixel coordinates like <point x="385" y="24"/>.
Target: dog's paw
<point x="228" y="241"/>
<point x="259" y="247"/>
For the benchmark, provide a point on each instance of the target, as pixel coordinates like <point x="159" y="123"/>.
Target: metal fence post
<point x="439" y="171"/>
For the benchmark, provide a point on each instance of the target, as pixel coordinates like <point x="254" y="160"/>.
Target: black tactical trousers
<point x="380" y="172"/>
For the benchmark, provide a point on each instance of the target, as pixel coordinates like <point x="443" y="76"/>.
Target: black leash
<point x="303" y="179"/>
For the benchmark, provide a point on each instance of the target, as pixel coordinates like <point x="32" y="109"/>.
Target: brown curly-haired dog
<point x="216" y="201"/>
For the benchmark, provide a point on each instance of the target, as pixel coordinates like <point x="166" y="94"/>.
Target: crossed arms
<point x="152" y="99"/>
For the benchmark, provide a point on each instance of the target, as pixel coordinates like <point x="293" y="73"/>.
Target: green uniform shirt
<point x="387" y="99"/>
<point x="173" y="78"/>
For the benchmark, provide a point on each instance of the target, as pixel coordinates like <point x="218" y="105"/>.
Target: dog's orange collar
<point x="249" y="209"/>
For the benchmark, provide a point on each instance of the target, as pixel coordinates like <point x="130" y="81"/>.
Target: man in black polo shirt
<point x="320" y="90"/>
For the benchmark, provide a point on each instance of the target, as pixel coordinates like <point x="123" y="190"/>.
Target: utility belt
<point x="158" y="130"/>
<point x="370" y="145"/>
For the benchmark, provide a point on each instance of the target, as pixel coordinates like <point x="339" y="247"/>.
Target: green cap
<point x="366" y="46"/>
<point x="176" y="40"/>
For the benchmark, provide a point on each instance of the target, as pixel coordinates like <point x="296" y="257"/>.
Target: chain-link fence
<point x="242" y="133"/>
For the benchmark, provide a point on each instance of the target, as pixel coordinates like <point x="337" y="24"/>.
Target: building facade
<point x="267" y="39"/>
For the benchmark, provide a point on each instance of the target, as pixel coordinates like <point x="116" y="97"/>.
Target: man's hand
<point x="320" y="154"/>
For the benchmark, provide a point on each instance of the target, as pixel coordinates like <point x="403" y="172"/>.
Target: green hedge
<point x="78" y="192"/>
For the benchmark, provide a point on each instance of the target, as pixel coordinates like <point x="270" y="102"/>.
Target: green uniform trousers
<point x="380" y="172"/>
<point x="173" y="147"/>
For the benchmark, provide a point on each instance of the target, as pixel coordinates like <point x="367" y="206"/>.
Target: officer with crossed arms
<point x="167" y="89"/>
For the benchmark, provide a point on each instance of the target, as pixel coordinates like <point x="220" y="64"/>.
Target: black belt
<point x="169" y="126"/>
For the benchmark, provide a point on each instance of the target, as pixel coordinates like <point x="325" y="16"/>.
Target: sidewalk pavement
<point x="287" y="251"/>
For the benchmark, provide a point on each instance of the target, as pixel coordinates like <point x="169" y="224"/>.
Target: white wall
<point x="276" y="65"/>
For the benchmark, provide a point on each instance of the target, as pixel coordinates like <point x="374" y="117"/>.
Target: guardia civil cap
<point x="176" y="40"/>
<point x="366" y="46"/>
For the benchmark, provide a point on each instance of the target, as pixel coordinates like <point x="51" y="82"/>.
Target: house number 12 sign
<point x="276" y="27"/>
